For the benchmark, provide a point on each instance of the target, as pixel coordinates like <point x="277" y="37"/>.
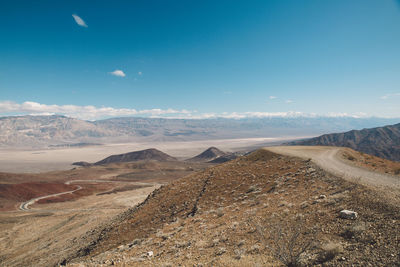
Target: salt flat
<point x="35" y="161"/>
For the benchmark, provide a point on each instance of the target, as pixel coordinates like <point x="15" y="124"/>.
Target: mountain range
<point x="383" y="142"/>
<point x="54" y="130"/>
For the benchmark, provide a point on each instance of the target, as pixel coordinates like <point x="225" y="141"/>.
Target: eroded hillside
<point x="263" y="208"/>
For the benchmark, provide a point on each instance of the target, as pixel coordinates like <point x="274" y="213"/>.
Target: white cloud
<point x="79" y="20"/>
<point x="272" y="97"/>
<point x="288" y="101"/>
<point x="82" y="112"/>
<point x="118" y="73"/>
<point x="93" y="113"/>
<point x="140" y="73"/>
<point x="387" y="96"/>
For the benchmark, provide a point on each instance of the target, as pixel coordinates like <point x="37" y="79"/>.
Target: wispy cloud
<point x="140" y="73"/>
<point x="118" y="73"/>
<point x="387" y="96"/>
<point x="92" y="113"/>
<point x="272" y="97"/>
<point x="79" y="20"/>
<point x="288" y="101"/>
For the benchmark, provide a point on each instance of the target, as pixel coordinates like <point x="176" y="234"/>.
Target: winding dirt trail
<point x="25" y="205"/>
<point x="328" y="158"/>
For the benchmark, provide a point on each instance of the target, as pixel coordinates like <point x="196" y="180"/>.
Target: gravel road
<point x="328" y="158"/>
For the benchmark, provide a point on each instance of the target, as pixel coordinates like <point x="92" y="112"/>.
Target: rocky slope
<point x="262" y="209"/>
<point x="147" y="154"/>
<point x="382" y="142"/>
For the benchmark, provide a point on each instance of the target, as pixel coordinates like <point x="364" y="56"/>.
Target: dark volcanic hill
<point x="208" y="155"/>
<point x="383" y="142"/>
<point x="147" y="154"/>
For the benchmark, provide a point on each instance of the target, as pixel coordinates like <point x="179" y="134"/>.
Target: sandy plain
<point x="54" y="159"/>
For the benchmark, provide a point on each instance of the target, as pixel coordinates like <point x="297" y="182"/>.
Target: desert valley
<point x="249" y="204"/>
<point x="199" y="133"/>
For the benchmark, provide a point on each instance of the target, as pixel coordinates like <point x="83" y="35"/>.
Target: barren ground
<point x="227" y="215"/>
<point x="254" y="210"/>
<point x="35" y="161"/>
<point x="51" y="227"/>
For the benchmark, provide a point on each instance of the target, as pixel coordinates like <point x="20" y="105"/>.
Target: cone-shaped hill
<point x="208" y="155"/>
<point x="147" y="154"/>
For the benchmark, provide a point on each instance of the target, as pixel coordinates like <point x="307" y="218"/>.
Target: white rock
<point x="348" y="214"/>
<point x="150" y="254"/>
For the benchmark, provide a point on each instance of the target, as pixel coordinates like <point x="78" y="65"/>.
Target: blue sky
<point x="200" y="58"/>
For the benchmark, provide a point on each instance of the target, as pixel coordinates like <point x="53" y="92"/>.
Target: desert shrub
<point x="350" y="157"/>
<point x="286" y="241"/>
<point x="219" y="212"/>
<point x="354" y="230"/>
<point x="329" y="251"/>
<point x="397" y="171"/>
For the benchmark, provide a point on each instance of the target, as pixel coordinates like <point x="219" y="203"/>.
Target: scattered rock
<point x="304" y="204"/>
<point x="220" y="251"/>
<point x="348" y="214"/>
<point x="135" y="242"/>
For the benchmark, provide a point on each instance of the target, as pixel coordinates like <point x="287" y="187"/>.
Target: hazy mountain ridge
<point x="44" y="131"/>
<point x="383" y="142"/>
<point x="47" y="130"/>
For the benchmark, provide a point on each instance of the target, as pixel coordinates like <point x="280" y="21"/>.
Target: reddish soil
<point x="11" y="194"/>
<point x="16" y="188"/>
<point x="12" y="178"/>
<point x="371" y="162"/>
<point x="87" y="190"/>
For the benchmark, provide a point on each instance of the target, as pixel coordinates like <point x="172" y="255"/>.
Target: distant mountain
<point x="60" y="131"/>
<point x="147" y="154"/>
<point x="41" y="131"/>
<point x="383" y="142"/>
<point x="207" y="155"/>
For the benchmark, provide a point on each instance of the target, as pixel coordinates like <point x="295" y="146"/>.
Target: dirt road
<point x="25" y="205"/>
<point x="328" y="158"/>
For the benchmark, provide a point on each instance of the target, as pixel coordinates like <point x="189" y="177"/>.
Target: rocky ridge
<point x="260" y="209"/>
<point x="382" y="142"/>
